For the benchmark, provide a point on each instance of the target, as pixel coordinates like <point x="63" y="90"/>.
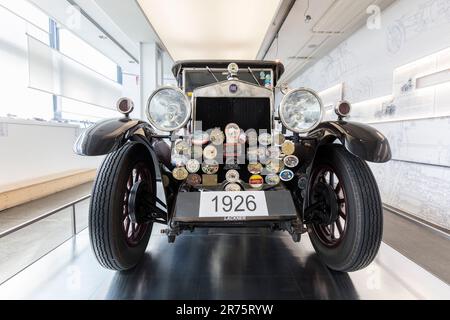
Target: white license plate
<point x="233" y="205"/>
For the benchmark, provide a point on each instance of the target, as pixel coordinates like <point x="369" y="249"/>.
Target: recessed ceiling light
<point x="205" y="29"/>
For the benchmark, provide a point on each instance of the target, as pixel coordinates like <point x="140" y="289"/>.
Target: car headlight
<point x="168" y="109"/>
<point x="301" y="110"/>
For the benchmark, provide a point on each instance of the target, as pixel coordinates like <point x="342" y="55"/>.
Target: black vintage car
<point x="218" y="153"/>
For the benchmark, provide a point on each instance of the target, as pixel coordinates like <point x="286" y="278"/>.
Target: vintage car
<point x="218" y="152"/>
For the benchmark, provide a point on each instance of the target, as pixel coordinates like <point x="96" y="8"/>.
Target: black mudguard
<point x="110" y="135"/>
<point x="104" y="137"/>
<point x="359" y="139"/>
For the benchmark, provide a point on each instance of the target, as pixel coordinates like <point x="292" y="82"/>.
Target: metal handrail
<point x="46" y="215"/>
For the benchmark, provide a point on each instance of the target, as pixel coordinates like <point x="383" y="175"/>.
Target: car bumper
<point x="280" y="206"/>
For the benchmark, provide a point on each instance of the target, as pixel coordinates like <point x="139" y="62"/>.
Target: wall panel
<point x="380" y="70"/>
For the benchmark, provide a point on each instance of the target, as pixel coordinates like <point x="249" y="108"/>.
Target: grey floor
<point x="427" y="247"/>
<point x="243" y="264"/>
<point x="413" y="264"/>
<point x="21" y="248"/>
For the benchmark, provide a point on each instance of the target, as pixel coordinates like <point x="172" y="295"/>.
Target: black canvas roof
<point x="277" y="67"/>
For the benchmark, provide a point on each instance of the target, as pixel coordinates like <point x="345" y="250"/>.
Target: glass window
<point x="72" y="46"/>
<point x="168" y="78"/>
<point x="78" y="111"/>
<point x="17" y="98"/>
<point x="22" y="99"/>
<point x="28" y="12"/>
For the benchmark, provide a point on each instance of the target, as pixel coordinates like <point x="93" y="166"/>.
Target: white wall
<point x="30" y="149"/>
<point x="371" y="65"/>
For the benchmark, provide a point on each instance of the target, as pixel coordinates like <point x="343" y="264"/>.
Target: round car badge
<point x="255" y="168"/>
<point x="194" y="180"/>
<point x="217" y="137"/>
<point x="193" y="166"/>
<point x="265" y="139"/>
<point x="234" y="88"/>
<point x="291" y="161"/>
<point x="303" y="182"/>
<point x="279" y="139"/>
<point x="233" y="187"/>
<point x="197" y="152"/>
<point x="232" y="176"/>
<point x="210" y="167"/>
<point x="262" y="153"/>
<point x="182" y="147"/>
<point x="200" y="138"/>
<point x="210" y="152"/>
<point x="272" y="179"/>
<point x="288" y="148"/>
<point x="286" y="175"/>
<point x="252" y="137"/>
<point x="180" y="173"/>
<point x="252" y="155"/>
<point x="256" y="181"/>
<point x="274" y="152"/>
<point x="273" y="166"/>
<point x="179" y="160"/>
<point x="232" y="132"/>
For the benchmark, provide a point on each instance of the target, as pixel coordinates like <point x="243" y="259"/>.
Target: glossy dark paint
<point x="104" y="137"/>
<point x="110" y="135"/>
<point x="359" y="139"/>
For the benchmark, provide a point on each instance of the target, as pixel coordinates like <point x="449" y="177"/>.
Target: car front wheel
<point x="350" y="237"/>
<point x="119" y="241"/>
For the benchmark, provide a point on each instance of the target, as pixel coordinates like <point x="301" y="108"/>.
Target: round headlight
<point x="301" y="110"/>
<point x="168" y="109"/>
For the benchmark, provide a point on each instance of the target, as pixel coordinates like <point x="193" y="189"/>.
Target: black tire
<point x="360" y="227"/>
<point x="113" y="247"/>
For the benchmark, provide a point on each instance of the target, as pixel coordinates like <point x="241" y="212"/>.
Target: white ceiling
<point x="206" y="29"/>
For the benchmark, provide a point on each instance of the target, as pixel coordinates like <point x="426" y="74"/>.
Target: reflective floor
<point x="211" y="264"/>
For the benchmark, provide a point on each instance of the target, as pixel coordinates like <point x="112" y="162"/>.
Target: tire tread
<point x="99" y="222"/>
<point x="367" y="195"/>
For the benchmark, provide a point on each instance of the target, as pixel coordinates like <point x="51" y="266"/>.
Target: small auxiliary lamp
<point x="125" y="106"/>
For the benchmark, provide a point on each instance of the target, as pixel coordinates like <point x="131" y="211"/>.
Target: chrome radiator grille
<point x="248" y="113"/>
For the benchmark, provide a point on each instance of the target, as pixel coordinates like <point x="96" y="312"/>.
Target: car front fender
<point x="359" y="139"/>
<point x="104" y="137"/>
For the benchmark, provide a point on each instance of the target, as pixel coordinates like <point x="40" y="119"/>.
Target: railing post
<point x="74" y="220"/>
<point x="46" y="215"/>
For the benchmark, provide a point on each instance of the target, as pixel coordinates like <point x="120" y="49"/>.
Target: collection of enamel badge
<point x="264" y="154"/>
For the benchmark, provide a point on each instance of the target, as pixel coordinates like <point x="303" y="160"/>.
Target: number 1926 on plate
<point x="233" y="204"/>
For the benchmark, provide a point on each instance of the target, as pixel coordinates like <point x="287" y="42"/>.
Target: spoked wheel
<point x="331" y="235"/>
<point x="119" y="232"/>
<point x="349" y="236"/>
<point x="133" y="230"/>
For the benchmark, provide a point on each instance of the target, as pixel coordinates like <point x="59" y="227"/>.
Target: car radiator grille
<point x="248" y="113"/>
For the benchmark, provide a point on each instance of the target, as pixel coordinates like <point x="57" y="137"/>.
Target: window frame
<point x="55" y="40"/>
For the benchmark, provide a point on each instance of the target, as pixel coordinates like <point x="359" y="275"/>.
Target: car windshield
<point x="202" y="77"/>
